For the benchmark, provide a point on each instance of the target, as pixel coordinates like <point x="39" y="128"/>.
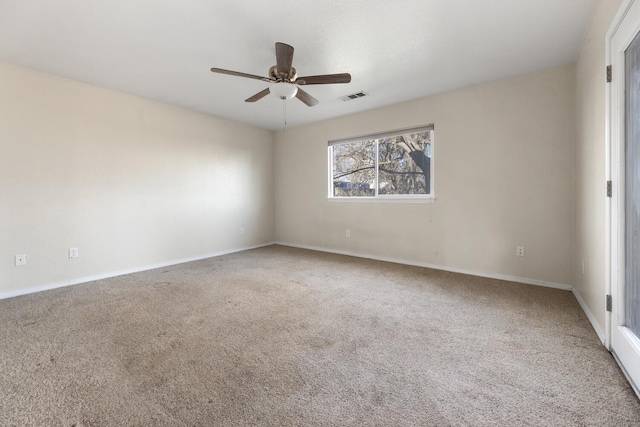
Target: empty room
<point x="358" y="213"/>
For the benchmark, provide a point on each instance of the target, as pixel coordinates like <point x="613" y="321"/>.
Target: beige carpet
<point x="281" y="336"/>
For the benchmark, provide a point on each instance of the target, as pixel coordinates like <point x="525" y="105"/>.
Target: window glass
<point x="404" y="164"/>
<point x="383" y="165"/>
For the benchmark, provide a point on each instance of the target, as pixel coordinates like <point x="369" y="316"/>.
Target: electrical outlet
<point x="21" y="260"/>
<point x="241" y="230"/>
<point x="520" y="250"/>
<point x="73" y="252"/>
<point x="582" y="266"/>
<point x="347" y="233"/>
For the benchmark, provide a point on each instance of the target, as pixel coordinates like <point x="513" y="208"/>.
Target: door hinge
<point x="608" y="73"/>
<point x="609" y="189"/>
<point x="609" y="303"/>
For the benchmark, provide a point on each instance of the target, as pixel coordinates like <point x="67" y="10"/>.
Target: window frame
<point x="383" y="198"/>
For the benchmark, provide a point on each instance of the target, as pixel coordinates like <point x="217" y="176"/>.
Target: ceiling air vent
<point x="354" y="96"/>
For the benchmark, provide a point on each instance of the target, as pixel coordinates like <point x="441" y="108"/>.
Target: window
<point x="393" y="165"/>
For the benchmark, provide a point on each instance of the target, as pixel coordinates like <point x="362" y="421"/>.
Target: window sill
<point x="381" y="199"/>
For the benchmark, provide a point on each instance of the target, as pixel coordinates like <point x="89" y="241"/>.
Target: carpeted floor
<point x="281" y="336"/>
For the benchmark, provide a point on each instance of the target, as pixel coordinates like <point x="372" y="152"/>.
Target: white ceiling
<point x="394" y="50"/>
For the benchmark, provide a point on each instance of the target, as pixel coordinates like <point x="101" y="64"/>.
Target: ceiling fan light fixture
<point x="283" y="90"/>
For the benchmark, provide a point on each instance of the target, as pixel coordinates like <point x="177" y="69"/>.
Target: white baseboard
<point x="592" y="319"/>
<point x="62" y="284"/>
<point x="435" y="267"/>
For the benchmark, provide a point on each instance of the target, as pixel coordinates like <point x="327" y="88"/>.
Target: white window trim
<point x="382" y="198"/>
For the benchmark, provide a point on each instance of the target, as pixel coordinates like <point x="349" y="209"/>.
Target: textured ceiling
<point x="394" y="50"/>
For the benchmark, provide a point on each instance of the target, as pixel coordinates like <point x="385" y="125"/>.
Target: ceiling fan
<point x="285" y="80"/>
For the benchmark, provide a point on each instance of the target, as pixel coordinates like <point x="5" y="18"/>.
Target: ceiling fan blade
<point x="239" y="74"/>
<point x="324" y="79"/>
<point x="284" y="58"/>
<point x="258" y="96"/>
<point x="306" y="98"/>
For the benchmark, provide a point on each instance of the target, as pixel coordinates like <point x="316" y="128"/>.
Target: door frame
<point x="614" y="172"/>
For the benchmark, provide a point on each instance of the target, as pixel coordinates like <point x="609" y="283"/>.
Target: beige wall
<point x="504" y="167"/>
<point x="130" y="182"/>
<point x="590" y="164"/>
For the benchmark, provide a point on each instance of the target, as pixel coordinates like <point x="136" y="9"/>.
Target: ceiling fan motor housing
<point x="282" y="76"/>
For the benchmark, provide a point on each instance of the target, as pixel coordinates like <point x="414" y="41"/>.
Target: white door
<point x="625" y="201"/>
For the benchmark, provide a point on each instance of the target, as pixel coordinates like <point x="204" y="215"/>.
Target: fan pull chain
<point x="284" y="113"/>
